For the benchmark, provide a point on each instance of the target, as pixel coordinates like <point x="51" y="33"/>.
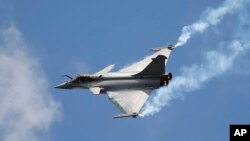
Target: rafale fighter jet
<point x="130" y="87"/>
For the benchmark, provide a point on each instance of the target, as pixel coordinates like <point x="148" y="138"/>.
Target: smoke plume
<point x="216" y="62"/>
<point x="193" y="77"/>
<point x="26" y="107"/>
<point x="210" y="17"/>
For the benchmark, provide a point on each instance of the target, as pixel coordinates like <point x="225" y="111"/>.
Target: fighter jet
<point x="130" y="87"/>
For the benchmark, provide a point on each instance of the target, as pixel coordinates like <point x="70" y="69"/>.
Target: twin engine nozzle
<point x="165" y="79"/>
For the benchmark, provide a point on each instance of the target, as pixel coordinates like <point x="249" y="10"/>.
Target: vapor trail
<point x="216" y="62"/>
<point x="210" y="17"/>
<point x="193" y="77"/>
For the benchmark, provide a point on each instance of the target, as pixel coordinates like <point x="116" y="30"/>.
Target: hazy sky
<point x="42" y="40"/>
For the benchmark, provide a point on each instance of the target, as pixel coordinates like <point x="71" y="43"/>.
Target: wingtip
<point x="133" y="115"/>
<point x="169" y="46"/>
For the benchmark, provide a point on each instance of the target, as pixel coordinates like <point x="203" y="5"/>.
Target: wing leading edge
<point x="141" y="65"/>
<point x="129" y="102"/>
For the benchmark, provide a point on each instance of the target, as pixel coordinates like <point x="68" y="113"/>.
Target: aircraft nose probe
<point x="64" y="85"/>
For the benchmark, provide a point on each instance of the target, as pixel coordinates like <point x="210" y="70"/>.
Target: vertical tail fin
<point x="156" y="67"/>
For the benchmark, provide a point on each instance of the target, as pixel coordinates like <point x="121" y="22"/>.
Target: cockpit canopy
<point x="83" y="78"/>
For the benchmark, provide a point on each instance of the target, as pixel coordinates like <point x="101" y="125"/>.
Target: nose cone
<point x="63" y="86"/>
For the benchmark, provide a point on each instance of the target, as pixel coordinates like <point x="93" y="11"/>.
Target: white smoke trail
<point x="210" y="17"/>
<point x="217" y="61"/>
<point x="192" y="78"/>
<point x="26" y="107"/>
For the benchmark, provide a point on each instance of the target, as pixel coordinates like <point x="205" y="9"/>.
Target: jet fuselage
<point x="130" y="87"/>
<point x="114" y="81"/>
